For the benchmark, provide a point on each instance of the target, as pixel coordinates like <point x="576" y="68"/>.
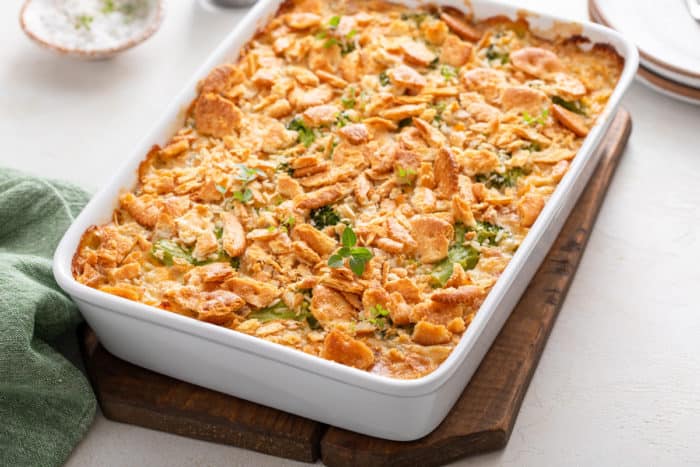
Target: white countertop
<point x="619" y="381"/>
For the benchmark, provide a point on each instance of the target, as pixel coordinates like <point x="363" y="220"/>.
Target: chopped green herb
<point x="500" y="181"/>
<point x="288" y="224"/>
<point x="306" y="134"/>
<point x="448" y="72"/>
<point x="323" y="217"/>
<point x="235" y="262"/>
<point x="333" y="146"/>
<point x="533" y="147"/>
<point x="539" y="120"/>
<point x="219" y="232"/>
<point x="312" y="321"/>
<point x="342" y="119"/>
<point x="405" y="175"/>
<point x="492" y="54"/>
<point x="466" y="255"/>
<point x="417" y="17"/>
<point x="439" y="109"/>
<point x="378" y="316"/>
<point x="405" y="122"/>
<point x="285" y="167"/>
<point x="246" y="174"/>
<point x="346" y="43"/>
<point x="433" y="65"/>
<point x="243" y="195"/>
<point x="330" y="42"/>
<point x="573" y="106"/>
<point x="358" y="256"/>
<point x="384" y="78"/>
<point x="349" y="101"/>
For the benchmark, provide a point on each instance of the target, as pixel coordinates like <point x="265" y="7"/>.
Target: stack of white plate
<point x="667" y="36"/>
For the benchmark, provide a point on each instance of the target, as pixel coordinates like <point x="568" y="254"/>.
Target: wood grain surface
<point x="481" y="420"/>
<point x="130" y="394"/>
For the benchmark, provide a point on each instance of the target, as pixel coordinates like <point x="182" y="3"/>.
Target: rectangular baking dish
<point x="290" y="380"/>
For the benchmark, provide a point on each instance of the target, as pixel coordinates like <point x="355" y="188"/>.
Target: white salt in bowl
<point x="90" y="29"/>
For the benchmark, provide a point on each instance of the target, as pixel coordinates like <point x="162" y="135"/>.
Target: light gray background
<point x="619" y="381"/>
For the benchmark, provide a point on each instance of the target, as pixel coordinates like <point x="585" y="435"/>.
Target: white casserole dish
<point x="290" y="380"/>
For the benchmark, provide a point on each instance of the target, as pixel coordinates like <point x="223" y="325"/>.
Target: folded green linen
<point x="46" y="404"/>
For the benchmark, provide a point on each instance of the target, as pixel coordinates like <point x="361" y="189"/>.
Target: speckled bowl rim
<point x="96" y="54"/>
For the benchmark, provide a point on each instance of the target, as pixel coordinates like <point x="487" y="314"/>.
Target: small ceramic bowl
<point x="154" y="21"/>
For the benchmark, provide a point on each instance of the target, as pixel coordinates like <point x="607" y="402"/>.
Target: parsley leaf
<point x="448" y="72"/>
<point x="288" y="223"/>
<point x="408" y="121"/>
<point x="349" y="101"/>
<point x="243" y="195"/>
<point x="346" y="43"/>
<point x="378" y="316"/>
<point x="330" y="42"/>
<point x="384" y="78"/>
<point x="358" y="256"/>
<point x="466" y="255"/>
<point x="285" y="167"/>
<point x="323" y="217"/>
<point x="417" y="17"/>
<point x="539" y="120"/>
<point x="342" y="119"/>
<point x="404" y="175"/>
<point x="493" y="53"/>
<point x="439" y="109"/>
<point x="348" y="238"/>
<point x="246" y="174"/>
<point x="306" y="135"/>
<point x="532" y="147"/>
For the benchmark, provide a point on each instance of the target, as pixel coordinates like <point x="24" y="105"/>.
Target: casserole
<point x="252" y="368"/>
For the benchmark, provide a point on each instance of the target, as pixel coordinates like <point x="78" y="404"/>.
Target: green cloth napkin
<point x="46" y="404"/>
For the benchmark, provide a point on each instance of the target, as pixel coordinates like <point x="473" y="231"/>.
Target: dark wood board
<point x="131" y="394"/>
<point x="481" y="420"/>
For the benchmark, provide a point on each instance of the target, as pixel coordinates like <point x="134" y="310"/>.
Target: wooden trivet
<point x="481" y="420"/>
